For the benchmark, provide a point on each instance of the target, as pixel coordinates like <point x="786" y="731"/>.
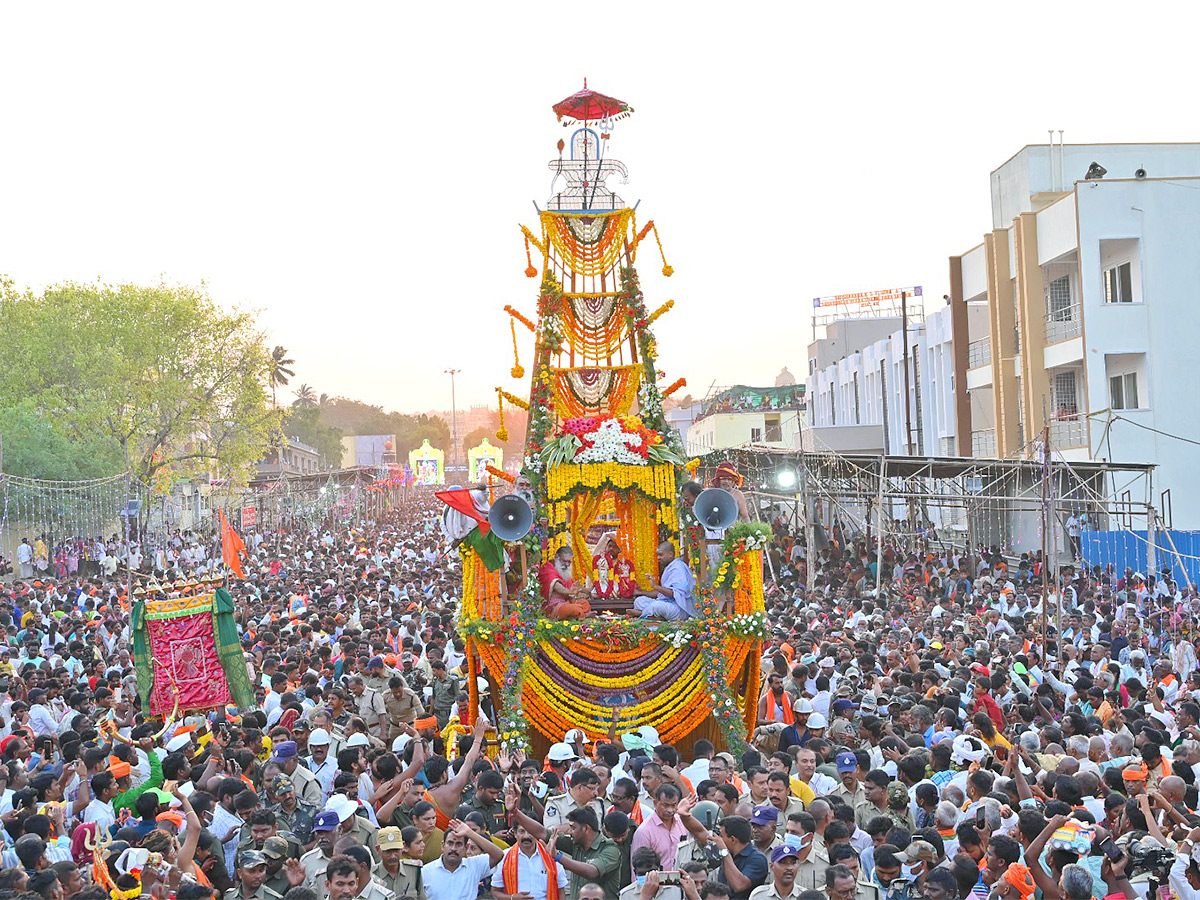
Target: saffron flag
<point x="460" y="499"/>
<point x="232" y="547"/>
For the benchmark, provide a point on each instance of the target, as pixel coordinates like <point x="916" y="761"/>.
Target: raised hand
<point x="294" y="872"/>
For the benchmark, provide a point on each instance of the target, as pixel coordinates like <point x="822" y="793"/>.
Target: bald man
<point x="673" y="596"/>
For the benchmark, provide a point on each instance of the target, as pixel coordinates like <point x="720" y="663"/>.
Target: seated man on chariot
<point x="564" y="598"/>
<point x="673" y="595"/>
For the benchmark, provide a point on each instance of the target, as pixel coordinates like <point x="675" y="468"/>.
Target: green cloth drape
<point x="141" y="653"/>
<point x="229" y="651"/>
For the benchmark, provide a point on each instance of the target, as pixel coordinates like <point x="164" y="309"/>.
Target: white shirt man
<point x="461" y="883"/>
<point x="532" y="877"/>
<point x="101" y="813"/>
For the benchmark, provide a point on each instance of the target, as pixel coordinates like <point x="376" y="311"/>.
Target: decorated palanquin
<point x="604" y="471"/>
<point x="428" y="464"/>
<point x="482" y="456"/>
<point x="186" y="649"/>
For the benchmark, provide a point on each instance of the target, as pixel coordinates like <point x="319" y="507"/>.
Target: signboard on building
<point x="888" y="299"/>
<point x="249" y="517"/>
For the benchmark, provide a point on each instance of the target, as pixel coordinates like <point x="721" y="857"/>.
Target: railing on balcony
<point x="1063" y="324"/>
<point x="979" y="353"/>
<point x="1068" y="432"/>
<point x="983" y="443"/>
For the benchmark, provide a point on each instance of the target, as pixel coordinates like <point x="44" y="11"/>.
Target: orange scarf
<point x="443" y="820"/>
<point x="509" y="871"/>
<point x="788" y="717"/>
<point x="636" y="815"/>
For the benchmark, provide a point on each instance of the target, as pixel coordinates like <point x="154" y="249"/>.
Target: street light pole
<point x="453" y="420"/>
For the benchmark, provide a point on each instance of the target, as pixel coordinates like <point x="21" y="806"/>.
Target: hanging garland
<point x="589" y="259"/>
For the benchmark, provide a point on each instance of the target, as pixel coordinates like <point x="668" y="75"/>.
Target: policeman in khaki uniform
<point x="378" y="675"/>
<point x="316" y="860"/>
<point x="398" y="874"/>
<point x="402" y="705"/>
<point x="585" y="786"/>
<point x="251" y="878"/>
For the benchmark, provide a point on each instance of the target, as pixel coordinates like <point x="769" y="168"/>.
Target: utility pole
<point x="453" y="420"/>
<point x="1046" y="567"/>
<point x="907" y="386"/>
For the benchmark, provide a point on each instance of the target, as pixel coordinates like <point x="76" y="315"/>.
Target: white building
<point x="856" y="386"/>
<point x="742" y="416"/>
<point x="1079" y="304"/>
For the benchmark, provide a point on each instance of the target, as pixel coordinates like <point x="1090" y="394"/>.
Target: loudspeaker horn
<point x="716" y="508"/>
<point x="511" y="518"/>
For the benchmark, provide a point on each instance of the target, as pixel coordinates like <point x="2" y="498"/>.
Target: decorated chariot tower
<point x="569" y="636"/>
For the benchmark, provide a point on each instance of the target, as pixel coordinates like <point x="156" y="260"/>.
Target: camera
<point x="1144" y="858"/>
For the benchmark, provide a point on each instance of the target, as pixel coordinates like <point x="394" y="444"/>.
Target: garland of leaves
<point x="740" y="538"/>
<point x="623" y="632"/>
<point x="711" y="630"/>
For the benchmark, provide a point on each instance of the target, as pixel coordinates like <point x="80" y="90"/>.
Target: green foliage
<point x="160" y="376"/>
<point x="304" y="424"/>
<point x="33" y="448"/>
<point x="358" y="418"/>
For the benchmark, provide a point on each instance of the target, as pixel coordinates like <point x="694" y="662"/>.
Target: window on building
<point x="1066" y="404"/>
<point x="832" y="408"/>
<point x="1127" y="387"/>
<point x="1123" y="391"/>
<point x="1060" y="299"/>
<point x="1118" y="283"/>
<point x="755" y="435"/>
<point x="773" y="430"/>
<point x="857" y="407"/>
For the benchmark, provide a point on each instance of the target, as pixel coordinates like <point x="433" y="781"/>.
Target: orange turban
<point x="1017" y="874"/>
<point x="119" y="769"/>
<point x="427" y="722"/>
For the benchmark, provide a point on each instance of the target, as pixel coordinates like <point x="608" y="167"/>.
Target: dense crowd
<point x="915" y="737"/>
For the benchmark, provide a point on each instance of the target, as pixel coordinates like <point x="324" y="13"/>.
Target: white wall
<point x="1157" y="332"/>
<point x="931" y="345"/>
<point x="1031" y="171"/>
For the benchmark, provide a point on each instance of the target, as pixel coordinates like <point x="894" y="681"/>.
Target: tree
<point x="161" y="377"/>
<point x="280" y="373"/>
<point x="304" y="424"/>
<point x="305" y="396"/>
<point x="34" y="448"/>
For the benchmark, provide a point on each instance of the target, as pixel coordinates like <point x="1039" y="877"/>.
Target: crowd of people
<point x="915" y="736"/>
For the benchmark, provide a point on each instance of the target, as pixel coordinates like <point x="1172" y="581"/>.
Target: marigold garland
<point x="592" y="259"/>
<point x="666" y="307"/>
<point x="674" y="386"/>
<point x="531" y="269"/>
<point x="517" y="371"/>
<point x="520" y="318"/>
<point x="500" y="473"/>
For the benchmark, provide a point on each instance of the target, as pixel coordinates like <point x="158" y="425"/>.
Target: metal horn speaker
<point x="510" y="518"/>
<point x="716" y="508"/>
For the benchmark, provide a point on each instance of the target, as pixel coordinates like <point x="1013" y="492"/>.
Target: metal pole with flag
<point x="232" y="548"/>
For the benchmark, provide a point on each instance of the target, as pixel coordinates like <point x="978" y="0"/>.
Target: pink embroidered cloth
<point x="185" y="647"/>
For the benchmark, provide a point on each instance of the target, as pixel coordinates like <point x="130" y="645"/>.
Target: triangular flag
<point x="460" y="499"/>
<point x="232" y="547"/>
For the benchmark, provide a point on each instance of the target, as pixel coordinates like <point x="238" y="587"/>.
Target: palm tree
<point x="280" y="373"/>
<point x="323" y="400"/>
<point x="305" y="396"/>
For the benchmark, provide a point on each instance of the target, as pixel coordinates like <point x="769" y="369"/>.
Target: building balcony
<point x="1063" y="324"/>
<point x="983" y="443"/>
<point x="1068" y="432"/>
<point x="979" y="353"/>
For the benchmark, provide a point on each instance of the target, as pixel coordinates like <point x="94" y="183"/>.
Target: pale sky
<point x="357" y="171"/>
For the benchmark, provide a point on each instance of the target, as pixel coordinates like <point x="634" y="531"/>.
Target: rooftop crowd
<point x="915" y="741"/>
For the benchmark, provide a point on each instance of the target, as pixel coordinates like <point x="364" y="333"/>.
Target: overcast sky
<point x="357" y="171"/>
